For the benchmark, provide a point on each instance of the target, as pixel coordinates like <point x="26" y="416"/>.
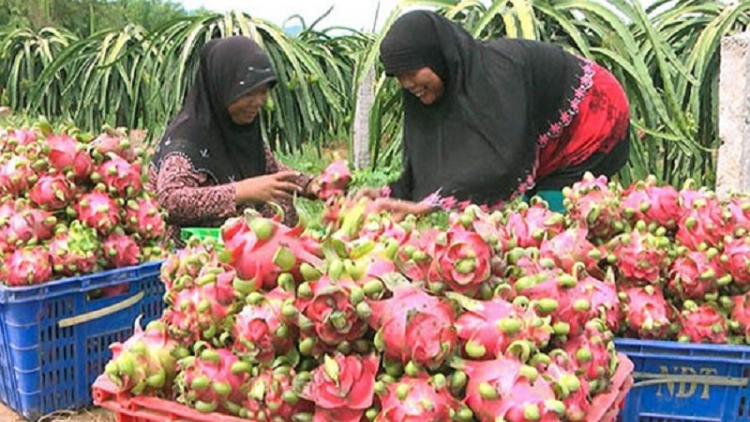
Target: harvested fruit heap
<point x="72" y="205"/>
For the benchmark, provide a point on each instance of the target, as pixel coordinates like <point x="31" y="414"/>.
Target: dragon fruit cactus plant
<point x="657" y="206"/>
<point x="647" y="313"/>
<point x="334" y="180"/>
<point x="145" y="364"/>
<point x="702" y="323"/>
<point x="417" y="399"/>
<point x="595" y="203"/>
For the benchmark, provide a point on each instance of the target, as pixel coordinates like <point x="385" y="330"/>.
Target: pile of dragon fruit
<point x="72" y="204"/>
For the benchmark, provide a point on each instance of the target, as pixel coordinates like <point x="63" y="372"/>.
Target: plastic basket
<point x="55" y="337"/>
<point x="687" y="382"/>
<point x="150" y="409"/>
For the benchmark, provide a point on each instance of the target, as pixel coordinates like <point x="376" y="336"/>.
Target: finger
<point x="289" y="187"/>
<point x="287" y="175"/>
<point x="281" y="195"/>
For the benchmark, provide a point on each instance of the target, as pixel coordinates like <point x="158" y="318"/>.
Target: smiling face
<point x="245" y="109"/>
<point x="422" y="83"/>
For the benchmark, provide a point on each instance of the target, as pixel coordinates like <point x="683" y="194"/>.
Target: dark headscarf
<point x="477" y="142"/>
<point x="203" y="130"/>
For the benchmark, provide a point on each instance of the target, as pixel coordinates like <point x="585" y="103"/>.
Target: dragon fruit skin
<point x="114" y="142"/>
<point x="592" y="298"/>
<point x="413" y="325"/>
<point x="594" y="203"/>
<point x="739" y="207"/>
<point x="146" y="363"/>
<point x="488" y="328"/>
<point x="121" y="250"/>
<point x="704" y="225"/>
<point x="592" y="355"/>
<point x="261" y="331"/>
<point x="200" y="312"/>
<point x="122" y="179"/>
<point x="270" y="397"/>
<point x="99" y="211"/>
<point x="573" y="391"/>
<point x="29" y="225"/>
<point x="702" y="324"/>
<point x="640" y="256"/>
<point x="461" y="260"/>
<point x="69" y="157"/>
<point x="74" y="251"/>
<point x="653" y="204"/>
<point x="181" y="268"/>
<point x="505" y="389"/>
<point x="697" y="274"/>
<point x="571" y="247"/>
<point x="424" y="401"/>
<point x="27" y="266"/>
<point x="16" y="138"/>
<point x="16" y="176"/>
<point x="52" y="192"/>
<point x="334" y="179"/>
<point x="735" y="260"/>
<point x="739" y="319"/>
<point x="213" y="380"/>
<point x="143" y="216"/>
<point x="647" y="314"/>
<point x="529" y="226"/>
<point x="262" y="248"/>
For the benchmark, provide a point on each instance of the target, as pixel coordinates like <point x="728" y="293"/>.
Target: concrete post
<point x="361" y="129"/>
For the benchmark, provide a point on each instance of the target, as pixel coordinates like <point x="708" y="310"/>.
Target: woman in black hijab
<point x="485" y="122"/>
<point x="212" y="162"/>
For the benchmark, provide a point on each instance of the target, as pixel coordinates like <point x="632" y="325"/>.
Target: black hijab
<point x="477" y="142"/>
<point x="203" y="131"/>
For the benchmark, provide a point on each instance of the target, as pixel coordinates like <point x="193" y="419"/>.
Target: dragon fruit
<point x="488" y="328"/>
<point x="334" y="180"/>
<point x="70" y="157"/>
<point x="735" y="260"/>
<point x="417" y="399"/>
<point x="142" y="216"/>
<point x="271" y="397"/>
<point x="461" y="260"/>
<point x="122" y="179"/>
<point x="18" y="137"/>
<point x="573" y="391"/>
<point x="120" y="250"/>
<point x="571" y="247"/>
<point x="704" y="225"/>
<point x="74" y="251"/>
<point x="702" y="324"/>
<point x="697" y="275"/>
<point x="739" y="321"/>
<point x="529" y="226"/>
<point x="26" y="266"/>
<point x="114" y="141"/>
<point x="640" y="255"/>
<point x="200" y="312"/>
<point x="16" y="176"/>
<point x="342" y="387"/>
<point x="261" y="330"/>
<point x="647" y="314"/>
<point x="593" y="298"/>
<point x="594" y="203"/>
<point x="548" y="296"/>
<point x="262" y="248"/>
<point x="146" y="363"/>
<point x="212" y="380"/>
<point x="52" y="192"/>
<point x="593" y="355"/>
<point x="29" y="226"/>
<point x="645" y="201"/>
<point x="99" y="211"/>
<point x="505" y="389"/>
<point x="413" y="325"/>
<point x="739" y="208"/>
<point x="181" y="268"/>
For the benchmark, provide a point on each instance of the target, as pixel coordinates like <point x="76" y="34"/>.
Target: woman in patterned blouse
<point x="485" y="121"/>
<point x="212" y="161"/>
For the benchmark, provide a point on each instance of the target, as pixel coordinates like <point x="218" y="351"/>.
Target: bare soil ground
<point x="90" y="415"/>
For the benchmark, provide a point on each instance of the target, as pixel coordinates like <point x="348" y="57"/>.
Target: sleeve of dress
<point x="274" y="166"/>
<point x="179" y="192"/>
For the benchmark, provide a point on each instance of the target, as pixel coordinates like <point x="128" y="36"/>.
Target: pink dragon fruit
<point x="334" y="180"/>
<point x="739" y="207"/>
<point x="261" y="331"/>
<point x="571" y="247"/>
<point x="697" y="274"/>
<point x="142" y="216"/>
<point x="99" y="211"/>
<point x="735" y="260"/>
<point x="702" y="324"/>
<point x="181" y="268"/>
<point x="417" y="399"/>
<point x="261" y="248"/>
<point x="114" y="142"/>
<point x="739" y="321"/>
<point x="413" y="325"/>
<point x="704" y="225"/>
<point x="52" y="192"/>
<point x="212" y="380"/>
<point x="200" y="312"/>
<point x="645" y="201"/>
<point x="505" y="389"/>
<point x="594" y="203"/>
<point x="529" y="226"/>
<point x="571" y="390"/>
<point x="488" y="328"/>
<point x="647" y="314"/>
<point x="640" y="256"/>
<point x="146" y="363"/>
<point x="26" y="266"/>
<point x="120" y="250"/>
<point x="74" y="251"/>
<point x="271" y="397"/>
<point x="16" y="176"/>
<point x="122" y="179"/>
<point x="342" y="388"/>
<point x="70" y="157"/>
<point x="414" y="258"/>
<point x="18" y="137"/>
<point x="593" y="355"/>
<point x="593" y="298"/>
<point x="29" y="226"/>
<point x="547" y="293"/>
<point x="525" y="263"/>
<point x="462" y="260"/>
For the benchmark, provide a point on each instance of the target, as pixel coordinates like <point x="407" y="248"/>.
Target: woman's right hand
<point x="273" y="187"/>
<point x="371" y="193"/>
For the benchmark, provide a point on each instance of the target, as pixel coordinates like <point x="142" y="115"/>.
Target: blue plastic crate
<point x="55" y="337"/>
<point x="686" y="382"/>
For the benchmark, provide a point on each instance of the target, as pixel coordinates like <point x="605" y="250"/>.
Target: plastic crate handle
<point x="654" y="379"/>
<point x="80" y="319"/>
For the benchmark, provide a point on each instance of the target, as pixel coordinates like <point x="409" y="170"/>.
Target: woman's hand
<point x="312" y="190"/>
<point x="372" y="193"/>
<point x="273" y="187"/>
<point x="400" y="209"/>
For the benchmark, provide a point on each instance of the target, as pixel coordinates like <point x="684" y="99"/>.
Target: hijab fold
<point x="203" y="131"/>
